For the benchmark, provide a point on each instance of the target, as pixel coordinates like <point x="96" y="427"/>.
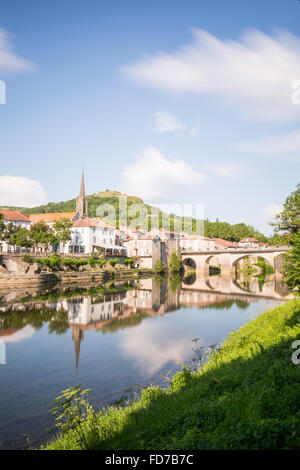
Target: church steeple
<point x="81" y="202"/>
<point x="77" y="336"/>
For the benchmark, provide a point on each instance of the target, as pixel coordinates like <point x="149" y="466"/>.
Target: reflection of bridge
<point x="226" y="285"/>
<point x="227" y="259"/>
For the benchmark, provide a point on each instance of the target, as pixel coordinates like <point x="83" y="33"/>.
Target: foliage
<point x="129" y="262"/>
<point x="265" y="267"/>
<point x="176" y="265"/>
<point x="245" y="397"/>
<point x="41" y="233"/>
<point x="160" y="219"/>
<point x="288" y="220"/>
<point x="62" y="231"/>
<point x="71" y="410"/>
<point x="27" y="259"/>
<point x="160" y="267"/>
<point x="291" y="264"/>
<point x="21" y="238"/>
<point x="113" y="261"/>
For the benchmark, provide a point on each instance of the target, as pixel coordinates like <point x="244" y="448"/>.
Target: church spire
<point x="82" y="186"/>
<point x="81" y="202"/>
<point x="77" y="336"/>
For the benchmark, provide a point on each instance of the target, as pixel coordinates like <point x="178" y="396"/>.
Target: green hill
<point x="215" y="229"/>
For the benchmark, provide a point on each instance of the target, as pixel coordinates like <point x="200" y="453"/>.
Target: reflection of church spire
<point x="81" y="201"/>
<point x="77" y="336"/>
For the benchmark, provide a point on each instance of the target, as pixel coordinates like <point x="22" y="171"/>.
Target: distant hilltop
<point x="108" y="193"/>
<point x="94" y="200"/>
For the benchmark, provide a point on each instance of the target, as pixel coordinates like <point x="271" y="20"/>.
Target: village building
<point x="91" y="235"/>
<point x="196" y="243"/>
<point x="249" y="242"/>
<point x="16" y="218"/>
<point x="149" y="250"/>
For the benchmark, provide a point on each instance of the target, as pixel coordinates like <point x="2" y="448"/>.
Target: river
<point x="108" y="338"/>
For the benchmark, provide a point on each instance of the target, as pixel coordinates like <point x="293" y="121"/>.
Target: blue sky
<point x="176" y="102"/>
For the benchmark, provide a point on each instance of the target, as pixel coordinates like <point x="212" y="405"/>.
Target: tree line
<point x="39" y="234"/>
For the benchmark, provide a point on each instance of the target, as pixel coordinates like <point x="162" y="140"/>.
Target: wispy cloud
<point x="21" y="191"/>
<point x="163" y="121"/>
<point x="286" y="145"/>
<point x="254" y="73"/>
<point x="10" y="61"/>
<point x="152" y="175"/>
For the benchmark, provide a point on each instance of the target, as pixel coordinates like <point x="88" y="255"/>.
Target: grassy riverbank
<point x="246" y="397"/>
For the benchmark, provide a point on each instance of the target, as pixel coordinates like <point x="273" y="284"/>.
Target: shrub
<point x="160" y="267"/>
<point x="27" y="259"/>
<point x="113" y="261"/>
<point x="129" y="261"/>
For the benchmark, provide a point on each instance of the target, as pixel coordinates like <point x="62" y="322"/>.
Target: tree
<point x="41" y="234"/>
<point x="291" y="264"/>
<point x="113" y="261"/>
<point x="21" y="238"/>
<point x="7" y="231"/>
<point x="288" y="220"/>
<point x="160" y="267"/>
<point x="62" y="231"/>
<point x="129" y="262"/>
<point x="175" y="263"/>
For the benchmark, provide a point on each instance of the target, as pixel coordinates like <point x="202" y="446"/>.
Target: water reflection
<point x="112" y="336"/>
<point x="119" y="306"/>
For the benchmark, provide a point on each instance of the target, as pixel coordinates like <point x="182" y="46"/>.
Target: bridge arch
<point x="267" y="257"/>
<point x="190" y="262"/>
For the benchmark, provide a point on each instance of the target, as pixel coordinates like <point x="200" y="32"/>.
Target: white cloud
<point x="273" y="145"/>
<point x="26" y="333"/>
<point x="9" y="60"/>
<point x="153" y="176"/>
<point x="21" y="191"/>
<point x="255" y="73"/>
<point x="166" y="122"/>
<point x="226" y="170"/>
<point x="154" y="348"/>
<point x="271" y="210"/>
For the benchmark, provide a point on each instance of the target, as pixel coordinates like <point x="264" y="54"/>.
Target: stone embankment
<point x="14" y="272"/>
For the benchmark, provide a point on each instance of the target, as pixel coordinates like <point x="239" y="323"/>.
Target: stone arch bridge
<point x="227" y="259"/>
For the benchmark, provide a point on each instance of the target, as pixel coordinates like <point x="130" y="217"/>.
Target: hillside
<point x="215" y="229"/>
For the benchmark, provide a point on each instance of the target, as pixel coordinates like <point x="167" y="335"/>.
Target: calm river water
<point x="108" y="338"/>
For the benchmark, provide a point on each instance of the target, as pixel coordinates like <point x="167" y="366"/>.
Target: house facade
<point x="16" y="218"/>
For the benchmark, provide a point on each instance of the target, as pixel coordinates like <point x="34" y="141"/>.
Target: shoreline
<point x="54" y="278"/>
<point x="245" y="397"/>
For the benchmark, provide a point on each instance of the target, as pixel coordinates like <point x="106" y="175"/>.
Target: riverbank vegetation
<point x="245" y="397"/>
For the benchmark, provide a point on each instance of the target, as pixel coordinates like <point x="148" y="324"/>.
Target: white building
<point x="91" y="235"/>
<point x="249" y="242"/>
<point x="16" y="218"/>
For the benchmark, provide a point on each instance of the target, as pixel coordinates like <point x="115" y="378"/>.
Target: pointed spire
<point x="81" y="202"/>
<point x="77" y="336"/>
<point x="82" y="186"/>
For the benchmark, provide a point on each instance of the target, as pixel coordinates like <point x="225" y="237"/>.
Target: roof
<point x="14" y="216"/>
<point x="90" y="222"/>
<point x="225" y="243"/>
<point x="51" y="217"/>
<point x="245" y="240"/>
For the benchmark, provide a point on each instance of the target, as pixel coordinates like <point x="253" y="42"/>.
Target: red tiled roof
<point x="90" y="222"/>
<point x="245" y="240"/>
<point x="225" y="243"/>
<point x="14" y="216"/>
<point x="51" y="217"/>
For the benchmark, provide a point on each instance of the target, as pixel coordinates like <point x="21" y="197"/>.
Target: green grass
<point x="246" y="397"/>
